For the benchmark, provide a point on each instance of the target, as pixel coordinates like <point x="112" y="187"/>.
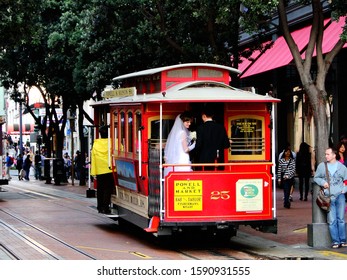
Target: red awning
<point x="331" y="35"/>
<point x="248" y="61"/>
<point x="279" y="55"/>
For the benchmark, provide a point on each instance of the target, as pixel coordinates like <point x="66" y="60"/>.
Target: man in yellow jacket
<point x="103" y="172"/>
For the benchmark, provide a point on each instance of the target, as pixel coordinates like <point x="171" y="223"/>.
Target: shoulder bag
<point x="323" y="201"/>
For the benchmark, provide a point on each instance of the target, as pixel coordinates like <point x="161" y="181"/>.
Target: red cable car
<point x="140" y="114"/>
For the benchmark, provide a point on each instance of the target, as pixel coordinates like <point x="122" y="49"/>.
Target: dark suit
<point x="210" y="137"/>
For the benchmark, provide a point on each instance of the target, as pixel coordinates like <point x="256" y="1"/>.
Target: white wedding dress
<point x="176" y="147"/>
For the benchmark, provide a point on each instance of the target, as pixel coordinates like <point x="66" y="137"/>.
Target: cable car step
<point x="113" y="214"/>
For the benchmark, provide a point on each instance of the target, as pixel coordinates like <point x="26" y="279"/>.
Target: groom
<point x="211" y="140"/>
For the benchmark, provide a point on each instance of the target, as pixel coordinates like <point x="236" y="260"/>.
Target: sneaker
<point x="290" y="198"/>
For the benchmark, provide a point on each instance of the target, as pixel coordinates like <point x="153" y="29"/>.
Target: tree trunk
<point x="318" y="102"/>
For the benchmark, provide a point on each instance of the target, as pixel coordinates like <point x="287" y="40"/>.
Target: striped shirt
<point x="287" y="167"/>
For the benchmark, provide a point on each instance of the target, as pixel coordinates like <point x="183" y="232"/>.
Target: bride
<point x="179" y="144"/>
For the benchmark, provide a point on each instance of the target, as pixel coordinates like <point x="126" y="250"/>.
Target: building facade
<point x="273" y="71"/>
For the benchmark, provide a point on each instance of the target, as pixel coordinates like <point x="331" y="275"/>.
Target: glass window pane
<point x="247" y="136"/>
<point x="130" y="132"/>
<point x="138" y="123"/>
<point x="116" y="130"/>
<point x="122" y="132"/>
<point x="155" y="128"/>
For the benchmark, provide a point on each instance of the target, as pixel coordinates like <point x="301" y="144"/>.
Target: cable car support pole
<point x="161" y="158"/>
<point x="273" y="148"/>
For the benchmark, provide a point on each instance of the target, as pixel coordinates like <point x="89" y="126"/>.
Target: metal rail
<point x="35" y="244"/>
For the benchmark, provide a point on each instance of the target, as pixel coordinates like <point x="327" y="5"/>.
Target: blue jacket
<point x="9" y="161"/>
<point x="336" y="180"/>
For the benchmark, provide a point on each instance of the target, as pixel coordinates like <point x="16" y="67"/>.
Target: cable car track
<point x="188" y="250"/>
<point x="18" y="225"/>
<point x="222" y="254"/>
<point x="183" y="246"/>
<point x="7" y="254"/>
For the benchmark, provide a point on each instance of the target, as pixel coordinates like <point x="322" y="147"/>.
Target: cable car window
<point x="115" y="130"/>
<point x="155" y="128"/>
<point x="247" y="138"/>
<point x="122" y="132"/>
<point x="138" y="123"/>
<point x="180" y="73"/>
<point x="130" y="132"/>
<point x="204" y="72"/>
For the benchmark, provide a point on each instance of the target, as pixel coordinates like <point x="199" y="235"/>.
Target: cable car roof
<point x="165" y="68"/>
<point x="194" y="91"/>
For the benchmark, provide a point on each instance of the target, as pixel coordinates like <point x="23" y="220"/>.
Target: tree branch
<point x="288" y="36"/>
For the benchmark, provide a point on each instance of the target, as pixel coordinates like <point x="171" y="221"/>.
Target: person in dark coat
<point x="78" y="165"/>
<point x="26" y="166"/>
<point x="304" y="168"/>
<point x="19" y="166"/>
<point x="211" y="140"/>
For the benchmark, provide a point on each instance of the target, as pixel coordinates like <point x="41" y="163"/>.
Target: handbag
<point x="322" y="200"/>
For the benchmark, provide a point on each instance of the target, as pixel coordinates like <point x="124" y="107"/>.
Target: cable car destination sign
<point x="120" y="92"/>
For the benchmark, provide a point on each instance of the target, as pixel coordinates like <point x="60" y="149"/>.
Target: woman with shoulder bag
<point x="286" y="171"/>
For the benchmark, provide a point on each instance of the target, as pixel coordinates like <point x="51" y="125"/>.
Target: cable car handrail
<point x="217" y="164"/>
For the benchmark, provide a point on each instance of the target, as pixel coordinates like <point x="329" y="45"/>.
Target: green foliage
<point x="256" y="14"/>
<point x="73" y="48"/>
<point x="82" y="45"/>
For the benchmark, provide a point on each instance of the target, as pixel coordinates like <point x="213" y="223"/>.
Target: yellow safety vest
<point x="100" y="157"/>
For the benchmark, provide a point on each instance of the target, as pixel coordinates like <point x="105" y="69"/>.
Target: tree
<point x="33" y="54"/>
<point x="313" y="86"/>
<point x="23" y="57"/>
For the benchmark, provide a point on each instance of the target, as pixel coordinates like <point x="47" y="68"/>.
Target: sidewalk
<point x="292" y="231"/>
<point x="292" y="223"/>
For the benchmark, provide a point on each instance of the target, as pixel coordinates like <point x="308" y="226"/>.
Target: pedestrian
<point x="37" y="165"/>
<point x="304" y="168"/>
<point x="19" y="166"/>
<point x="211" y="140"/>
<point x="9" y="163"/>
<point x="67" y="166"/>
<point x="78" y="165"/>
<point x="100" y="169"/>
<point x="294" y="156"/>
<point x="26" y="166"/>
<point x="342" y="153"/>
<point x="338" y="174"/>
<point x="179" y="144"/>
<point x="286" y="173"/>
<point x="287" y="146"/>
<point x="86" y="166"/>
